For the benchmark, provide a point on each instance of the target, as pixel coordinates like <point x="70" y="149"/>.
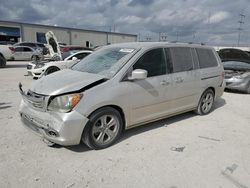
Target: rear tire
<point x="103" y="129"/>
<point x="206" y="102"/>
<point x="248" y="89"/>
<point x="2" y="62"/>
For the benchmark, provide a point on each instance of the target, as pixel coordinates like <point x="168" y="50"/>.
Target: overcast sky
<point x="209" y="21"/>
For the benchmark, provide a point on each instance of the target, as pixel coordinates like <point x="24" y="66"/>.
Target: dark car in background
<point x="71" y="49"/>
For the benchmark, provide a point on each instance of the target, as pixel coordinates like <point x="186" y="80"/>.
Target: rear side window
<point x="206" y="58"/>
<point x="182" y="59"/>
<point x="19" y="49"/>
<point x="152" y="61"/>
<point x="27" y="49"/>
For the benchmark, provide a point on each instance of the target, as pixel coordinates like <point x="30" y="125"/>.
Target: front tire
<point x="34" y="58"/>
<point x="51" y="70"/>
<point x="248" y="89"/>
<point x="103" y="129"/>
<point x="206" y="102"/>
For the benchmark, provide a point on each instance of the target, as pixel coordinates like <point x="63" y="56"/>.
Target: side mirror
<point x="138" y="74"/>
<point x="74" y="58"/>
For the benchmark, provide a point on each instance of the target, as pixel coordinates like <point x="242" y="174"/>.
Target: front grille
<point x="29" y="67"/>
<point x="36" y="100"/>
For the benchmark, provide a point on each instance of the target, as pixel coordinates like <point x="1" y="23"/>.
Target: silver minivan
<point x="119" y="87"/>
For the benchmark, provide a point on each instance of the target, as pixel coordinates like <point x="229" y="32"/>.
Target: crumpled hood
<point x="64" y="81"/>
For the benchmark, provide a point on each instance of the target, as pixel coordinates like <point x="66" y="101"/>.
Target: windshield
<point x="106" y="62"/>
<point x="236" y="65"/>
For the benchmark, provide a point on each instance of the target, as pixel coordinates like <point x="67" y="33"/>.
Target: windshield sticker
<point x="126" y="50"/>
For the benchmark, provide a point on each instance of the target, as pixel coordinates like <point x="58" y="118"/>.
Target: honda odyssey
<point x="119" y="87"/>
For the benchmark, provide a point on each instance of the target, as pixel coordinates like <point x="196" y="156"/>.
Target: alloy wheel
<point x="207" y="102"/>
<point x="105" y="129"/>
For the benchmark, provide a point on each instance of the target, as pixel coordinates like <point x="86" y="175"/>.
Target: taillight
<point x="223" y="78"/>
<point x="223" y="75"/>
<point x="12" y="49"/>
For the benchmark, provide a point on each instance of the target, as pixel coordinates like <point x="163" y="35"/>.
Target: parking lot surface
<point x="183" y="151"/>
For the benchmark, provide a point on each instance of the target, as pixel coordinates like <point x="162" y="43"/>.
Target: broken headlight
<point x="64" y="103"/>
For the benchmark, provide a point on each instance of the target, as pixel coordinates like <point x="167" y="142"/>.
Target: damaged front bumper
<point x="237" y="84"/>
<point x="60" y="128"/>
<point x="35" y="73"/>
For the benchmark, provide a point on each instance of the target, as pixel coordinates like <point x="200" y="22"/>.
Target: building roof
<point x="60" y="27"/>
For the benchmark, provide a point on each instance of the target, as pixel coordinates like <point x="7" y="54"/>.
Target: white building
<point x="12" y="32"/>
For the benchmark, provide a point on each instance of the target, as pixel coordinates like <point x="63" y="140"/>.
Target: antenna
<point x="241" y="22"/>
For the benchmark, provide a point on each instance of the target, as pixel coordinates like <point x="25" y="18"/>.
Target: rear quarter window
<point x="19" y="49"/>
<point x="206" y="58"/>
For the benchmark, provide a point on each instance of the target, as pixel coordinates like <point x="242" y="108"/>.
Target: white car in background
<point x="39" y="69"/>
<point x="6" y="53"/>
<point x="27" y="53"/>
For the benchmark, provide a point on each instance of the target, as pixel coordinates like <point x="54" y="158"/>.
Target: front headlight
<point x="39" y="65"/>
<point x="64" y="103"/>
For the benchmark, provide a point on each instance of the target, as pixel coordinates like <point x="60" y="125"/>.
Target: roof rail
<point x="202" y="44"/>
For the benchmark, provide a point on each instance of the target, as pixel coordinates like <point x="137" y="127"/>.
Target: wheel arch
<point x="212" y="88"/>
<point x="2" y="55"/>
<point x="3" y="61"/>
<point x="52" y="66"/>
<point x="116" y="107"/>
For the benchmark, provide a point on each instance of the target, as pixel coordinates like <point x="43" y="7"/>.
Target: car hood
<point x="236" y="65"/>
<point x="64" y="81"/>
<point x="53" y="45"/>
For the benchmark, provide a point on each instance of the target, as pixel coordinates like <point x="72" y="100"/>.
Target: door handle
<point x="164" y="82"/>
<point x="179" y="80"/>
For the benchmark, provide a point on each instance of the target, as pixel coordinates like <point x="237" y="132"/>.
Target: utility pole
<point x="241" y="22"/>
<point x="193" y="40"/>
